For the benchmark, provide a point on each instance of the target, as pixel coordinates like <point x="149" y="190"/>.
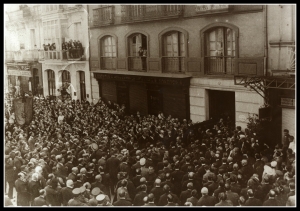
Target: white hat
<point x="100" y="197"/>
<point x="142" y="161"/>
<point x="273" y="164"/>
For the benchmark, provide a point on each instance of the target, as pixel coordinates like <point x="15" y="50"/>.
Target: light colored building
<point x="53" y="25"/>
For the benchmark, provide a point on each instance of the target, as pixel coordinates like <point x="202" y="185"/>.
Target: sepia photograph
<point x="140" y="105"/>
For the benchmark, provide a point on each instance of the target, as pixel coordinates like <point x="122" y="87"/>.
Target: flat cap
<point x="95" y="191"/>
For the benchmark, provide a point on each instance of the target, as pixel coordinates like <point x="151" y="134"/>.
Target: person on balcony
<point x="80" y="48"/>
<point x="143" y="55"/>
<point x="45" y="47"/>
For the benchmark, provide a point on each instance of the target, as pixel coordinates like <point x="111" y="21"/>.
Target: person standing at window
<point x="143" y="55"/>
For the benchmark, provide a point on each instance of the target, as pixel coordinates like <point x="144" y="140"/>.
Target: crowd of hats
<point x="88" y="127"/>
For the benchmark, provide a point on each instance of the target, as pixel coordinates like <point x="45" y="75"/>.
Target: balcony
<point x="136" y="63"/>
<point x="173" y="64"/>
<point x="23" y="56"/>
<point x="138" y="13"/>
<point x="103" y="16"/>
<point x="219" y="65"/>
<point x="108" y="63"/>
<point x="59" y="55"/>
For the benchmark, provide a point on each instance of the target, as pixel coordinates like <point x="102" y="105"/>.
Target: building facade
<point x="45" y="35"/>
<point x="281" y="81"/>
<point x="201" y="47"/>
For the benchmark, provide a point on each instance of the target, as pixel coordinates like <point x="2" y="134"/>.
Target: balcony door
<point x="220" y="51"/>
<point x="174" y="52"/>
<point x="108" y="53"/>
<point x="135" y="61"/>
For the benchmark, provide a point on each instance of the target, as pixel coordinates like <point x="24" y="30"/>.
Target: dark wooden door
<point x="221" y="105"/>
<point x="154" y="102"/>
<point x="123" y="95"/>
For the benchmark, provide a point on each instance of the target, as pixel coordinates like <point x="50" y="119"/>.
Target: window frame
<point x="51" y="82"/>
<point x="204" y="37"/>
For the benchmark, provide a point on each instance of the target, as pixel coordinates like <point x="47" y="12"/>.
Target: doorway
<point x="154" y="101"/>
<point x="221" y="105"/>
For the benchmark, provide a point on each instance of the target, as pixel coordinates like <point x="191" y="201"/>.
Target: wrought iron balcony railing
<point x="103" y="16"/>
<point x="215" y="65"/>
<point x="136" y="13"/>
<point x="108" y="63"/>
<point x="137" y="63"/>
<point x="23" y="55"/>
<point x="173" y="64"/>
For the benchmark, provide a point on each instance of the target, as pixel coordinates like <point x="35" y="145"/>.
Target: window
<point x="220" y="50"/>
<point x="108" y="52"/>
<point x="51" y="82"/>
<point x="137" y="55"/>
<point x="66" y="76"/>
<point x="174" y="52"/>
<point x="51" y="33"/>
<point x="78" y="32"/>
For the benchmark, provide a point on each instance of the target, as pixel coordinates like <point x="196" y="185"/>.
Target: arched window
<point x="174" y="51"/>
<point x="220" y="48"/>
<point x="108" y="53"/>
<point x="66" y="76"/>
<point x="51" y="82"/>
<point x="137" y="52"/>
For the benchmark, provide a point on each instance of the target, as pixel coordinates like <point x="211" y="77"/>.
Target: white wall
<point x="246" y="101"/>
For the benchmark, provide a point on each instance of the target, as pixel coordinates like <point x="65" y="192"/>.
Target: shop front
<point x="147" y="93"/>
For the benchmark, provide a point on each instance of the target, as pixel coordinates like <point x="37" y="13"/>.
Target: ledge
<point x="150" y="74"/>
<point x="282" y="43"/>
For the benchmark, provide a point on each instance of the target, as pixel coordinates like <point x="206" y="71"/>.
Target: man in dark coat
<point x="251" y="201"/>
<point x="40" y="200"/>
<point x="34" y="187"/>
<point x="163" y="199"/>
<point x="186" y="194"/>
<point x="176" y="178"/>
<point x="23" y="196"/>
<point x="10" y="174"/>
<point x="66" y="192"/>
<point x="206" y="200"/>
<point x="52" y="193"/>
<point x="122" y="201"/>
<point x="138" y="199"/>
<point x="232" y="196"/>
<point x="223" y="201"/>
<point x="271" y="201"/>
<point x="112" y="164"/>
<point x="98" y="183"/>
<point x="157" y="191"/>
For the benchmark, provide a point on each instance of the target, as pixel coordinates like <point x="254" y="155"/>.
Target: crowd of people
<point x="76" y="153"/>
